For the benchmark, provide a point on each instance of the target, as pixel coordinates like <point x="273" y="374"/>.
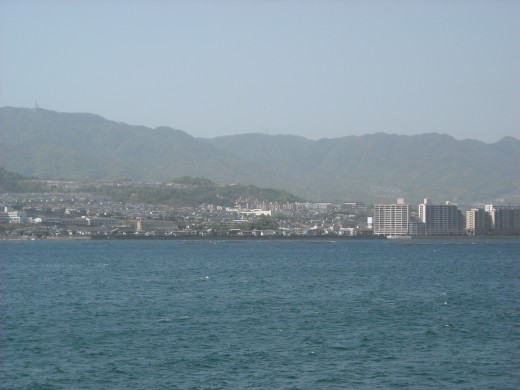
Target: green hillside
<point x="383" y="166"/>
<point x="179" y="192"/>
<point x="375" y="167"/>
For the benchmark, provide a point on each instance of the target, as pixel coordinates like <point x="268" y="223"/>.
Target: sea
<point x="254" y="314"/>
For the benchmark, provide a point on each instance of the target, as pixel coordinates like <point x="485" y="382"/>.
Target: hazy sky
<point x="311" y="68"/>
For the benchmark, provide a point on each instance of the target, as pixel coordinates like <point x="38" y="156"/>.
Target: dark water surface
<point x="266" y="315"/>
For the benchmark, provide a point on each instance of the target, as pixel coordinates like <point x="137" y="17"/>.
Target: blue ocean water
<point x="265" y="315"/>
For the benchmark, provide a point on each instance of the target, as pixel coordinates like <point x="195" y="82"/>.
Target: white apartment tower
<point x="391" y="219"/>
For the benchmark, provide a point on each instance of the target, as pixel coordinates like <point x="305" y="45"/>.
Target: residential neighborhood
<point x="70" y="214"/>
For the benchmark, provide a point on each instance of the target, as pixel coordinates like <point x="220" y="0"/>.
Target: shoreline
<point x="265" y="239"/>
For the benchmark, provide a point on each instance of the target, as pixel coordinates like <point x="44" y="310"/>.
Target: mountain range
<point x="373" y="167"/>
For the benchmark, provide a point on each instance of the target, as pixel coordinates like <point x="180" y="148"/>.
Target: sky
<point x="319" y="69"/>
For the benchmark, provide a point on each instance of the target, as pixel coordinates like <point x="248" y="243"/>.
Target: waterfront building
<point x="478" y="222"/>
<point x="441" y="219"/>
<point x="416" y="227"/>
<point x="391" y="219"/>
<point x="505" y="220"/>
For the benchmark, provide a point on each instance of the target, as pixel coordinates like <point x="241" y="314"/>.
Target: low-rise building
<point x="17" y="216"/>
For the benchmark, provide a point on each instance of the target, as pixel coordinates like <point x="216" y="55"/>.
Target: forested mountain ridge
<point x="48" y="144"/>
<point x="374" y="167"/>
<point x="385" y="166"/>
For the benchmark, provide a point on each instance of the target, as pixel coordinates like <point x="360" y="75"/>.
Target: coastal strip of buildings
<point x="444" y="219"/>
<point x="74" y="215"/>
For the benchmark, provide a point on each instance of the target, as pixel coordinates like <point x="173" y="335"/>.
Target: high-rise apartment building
<point x="505" y="220"/>
<point x="478" y="222"/>
<point x="441" y="219"/>
<point x="391" y="219"/>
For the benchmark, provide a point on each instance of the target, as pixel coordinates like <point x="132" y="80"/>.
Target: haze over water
<point x="225" y="314"/>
